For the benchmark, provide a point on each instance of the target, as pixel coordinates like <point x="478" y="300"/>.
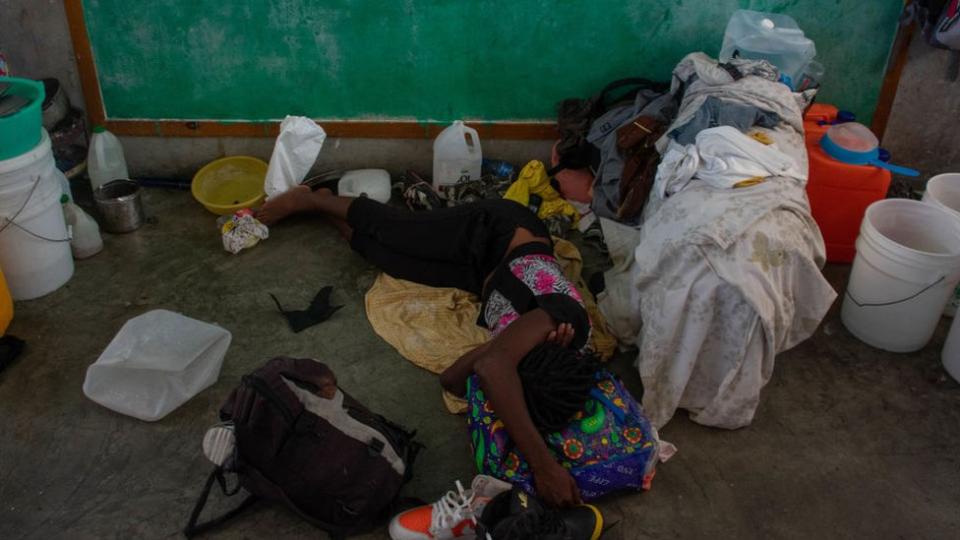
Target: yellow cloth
<point x="571" y="262"/>
<point x="533" y="180"/>
<point x="433" y="327"/>
<point x="429" y="326"/>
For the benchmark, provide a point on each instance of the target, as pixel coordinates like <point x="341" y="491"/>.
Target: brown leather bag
<point x="575" y="116"/>
<point x="636" y="140"/>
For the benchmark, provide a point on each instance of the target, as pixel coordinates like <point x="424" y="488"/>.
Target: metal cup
<point x="120" y="205"/>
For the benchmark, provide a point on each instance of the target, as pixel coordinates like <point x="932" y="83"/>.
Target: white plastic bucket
<point x="34" y="248"/>
<point x="944" y="190"/>
<point x="907" y="265"/>
<point x="951" y="351"/>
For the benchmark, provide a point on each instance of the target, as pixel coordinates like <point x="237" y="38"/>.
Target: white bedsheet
<point x="716" y="282"/>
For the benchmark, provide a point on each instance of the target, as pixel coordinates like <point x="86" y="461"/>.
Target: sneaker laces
<point x="453" y="508"/>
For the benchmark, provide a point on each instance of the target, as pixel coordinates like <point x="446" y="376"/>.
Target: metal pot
<point x="55" y="106"/>
<point x="120" y="205"/>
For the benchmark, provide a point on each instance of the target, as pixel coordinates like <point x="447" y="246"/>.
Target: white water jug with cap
<point x="105" y="161"/>
<point x="768" y="36"/>
<point x="456" y="155"/>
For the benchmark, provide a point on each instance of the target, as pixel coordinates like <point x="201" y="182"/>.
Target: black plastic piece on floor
<point x="318" y="311"/>
<point x="10" y="349"/>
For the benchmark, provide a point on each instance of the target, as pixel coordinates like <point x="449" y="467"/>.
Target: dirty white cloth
<point x="294" y="153"/>
<point x="722" y="157"/>
<point x="710" y="302"/>
<point x="240" y="232"/>
<point x="699" y="77"/>
<point x="716" y="282"/>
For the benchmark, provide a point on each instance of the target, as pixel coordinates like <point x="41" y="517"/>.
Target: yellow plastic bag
<point x="533" y="180"/>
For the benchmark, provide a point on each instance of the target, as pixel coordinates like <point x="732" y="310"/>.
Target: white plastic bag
<point x="373" y="183"/>
<point x="155" y="363"/>
<point x="86" y="240"/>
<point x="297" y="147"/>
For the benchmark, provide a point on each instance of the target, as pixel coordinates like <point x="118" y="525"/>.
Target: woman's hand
<point x="555" y="485"/>
<point x="562" y="336"/>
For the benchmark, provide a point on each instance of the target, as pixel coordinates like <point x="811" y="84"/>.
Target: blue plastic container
<point x="853" y="143"/>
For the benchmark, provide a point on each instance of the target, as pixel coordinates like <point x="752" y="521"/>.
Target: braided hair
<point x="556" y="384"/>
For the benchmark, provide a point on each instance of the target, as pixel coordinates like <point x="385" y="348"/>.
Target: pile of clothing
<point x="720" y="271"/>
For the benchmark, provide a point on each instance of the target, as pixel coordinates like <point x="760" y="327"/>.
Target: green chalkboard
<point x="436" y="60"/>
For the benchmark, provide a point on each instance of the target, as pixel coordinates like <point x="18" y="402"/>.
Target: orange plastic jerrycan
<point x="839" y="192"/>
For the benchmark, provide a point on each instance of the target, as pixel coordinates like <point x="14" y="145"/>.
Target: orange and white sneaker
<point x="453" y="516"/>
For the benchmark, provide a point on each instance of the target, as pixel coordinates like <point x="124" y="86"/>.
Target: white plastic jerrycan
<point x="456" y="155"/>
<point x="105" y="161"/>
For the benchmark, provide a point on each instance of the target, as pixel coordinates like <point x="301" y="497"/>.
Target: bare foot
<point x="297" y="199"/>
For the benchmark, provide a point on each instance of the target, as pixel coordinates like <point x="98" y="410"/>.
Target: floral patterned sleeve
<point x="552" y="291"/>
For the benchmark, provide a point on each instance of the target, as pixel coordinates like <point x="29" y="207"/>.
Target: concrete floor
<point x="849" y="441"/>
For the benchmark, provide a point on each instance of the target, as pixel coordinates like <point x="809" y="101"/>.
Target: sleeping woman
<point x="501" y="251"/>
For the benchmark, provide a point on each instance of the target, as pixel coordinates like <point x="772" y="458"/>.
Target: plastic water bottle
<point x="456" y="155"/>
<point x="499" y="168"/>
<point x="105" y="160"/>
<point x="774" y="37"/>
<point x="86" y="240"/>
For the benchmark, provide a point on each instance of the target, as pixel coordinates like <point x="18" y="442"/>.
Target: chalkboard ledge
<point x="366" y="130"/>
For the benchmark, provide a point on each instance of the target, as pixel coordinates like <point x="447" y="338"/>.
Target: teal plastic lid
<point x="99" y="129"/>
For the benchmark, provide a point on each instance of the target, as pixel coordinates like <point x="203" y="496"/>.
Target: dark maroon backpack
<point x="302" y="441"/>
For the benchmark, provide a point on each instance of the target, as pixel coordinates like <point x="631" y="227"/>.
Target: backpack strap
<point x="193" y="528"/>
<point x="640" y="83"/>
<point x="274" y="492"/>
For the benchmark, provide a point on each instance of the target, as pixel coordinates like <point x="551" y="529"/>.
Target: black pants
<point x="450" y="247"/>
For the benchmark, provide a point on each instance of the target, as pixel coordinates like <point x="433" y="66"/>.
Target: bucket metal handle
<point x="10" y="220"/>
<point x="907" y="299"/>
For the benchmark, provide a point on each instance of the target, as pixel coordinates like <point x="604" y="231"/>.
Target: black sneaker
<point x="515" y="515"/>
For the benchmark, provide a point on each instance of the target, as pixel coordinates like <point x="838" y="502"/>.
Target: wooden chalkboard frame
<point x="97" y="115"/>
<point x="96" y="111"/>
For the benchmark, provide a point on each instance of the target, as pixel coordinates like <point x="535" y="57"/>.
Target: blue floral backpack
<point x="609" y="446"/>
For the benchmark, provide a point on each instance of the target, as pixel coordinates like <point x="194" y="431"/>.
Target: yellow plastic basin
<point x="230" y="184"/>
<point x="6" y="305"/>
